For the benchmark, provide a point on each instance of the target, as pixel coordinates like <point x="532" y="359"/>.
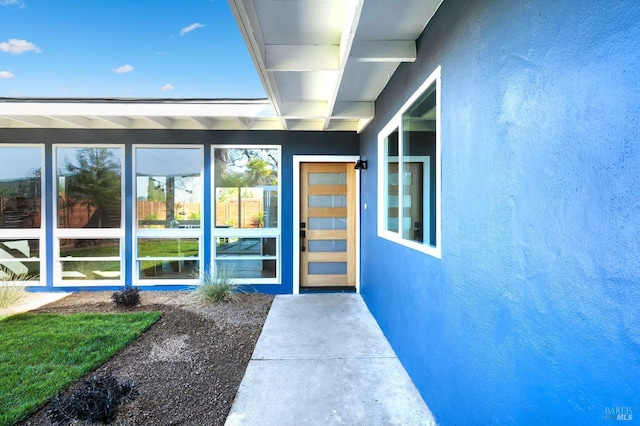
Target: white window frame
<point x="244" y="232"/>
<point x="138" y="233"/>
<point x="396" y="124"/>
<point x="90" y="233"/>
<point x="33" y="233"/>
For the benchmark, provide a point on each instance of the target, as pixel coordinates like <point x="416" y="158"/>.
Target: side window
<point x="409" y="172"/>
<point x="21" y="235"/>
<point x="246" y="213"/>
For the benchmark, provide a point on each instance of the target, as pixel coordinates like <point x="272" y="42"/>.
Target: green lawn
<point x="41" y="354"/>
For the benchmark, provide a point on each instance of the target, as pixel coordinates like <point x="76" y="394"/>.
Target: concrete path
<point x="31" y="301"/>
<point x="322" y="360"/>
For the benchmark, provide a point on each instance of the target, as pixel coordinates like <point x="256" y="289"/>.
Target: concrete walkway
<point x="322" y="360"/>
<point x="31" y="301"/>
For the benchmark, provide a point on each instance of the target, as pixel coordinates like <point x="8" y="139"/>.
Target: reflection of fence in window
<point x="19" y="212"/>
<point x="251" y="213"/>
<point x="153" y="214"/>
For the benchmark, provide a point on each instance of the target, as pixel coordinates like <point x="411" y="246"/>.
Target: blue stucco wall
<point x="291" y="143"/>
<point x="532" y="314"/>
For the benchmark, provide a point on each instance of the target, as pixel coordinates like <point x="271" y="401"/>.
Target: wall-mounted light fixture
<point x="361" y="165"/>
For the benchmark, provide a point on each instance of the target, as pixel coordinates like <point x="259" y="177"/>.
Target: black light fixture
<point x="361" y="165"/>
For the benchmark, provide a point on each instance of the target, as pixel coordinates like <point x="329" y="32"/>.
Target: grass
<point x="186" y="247"/>
<point x="42" y="354"/>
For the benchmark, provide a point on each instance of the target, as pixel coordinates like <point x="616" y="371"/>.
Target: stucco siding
<point x="532" y="314"/>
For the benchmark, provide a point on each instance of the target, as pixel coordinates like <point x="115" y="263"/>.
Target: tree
<point x="155" y="192"/>
<point x="94" y="179"/>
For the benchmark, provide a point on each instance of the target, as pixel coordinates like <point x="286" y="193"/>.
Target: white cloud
<point x="123" y="69"/>
<point x="17" y="47"/>
<point x="12" y="3"/>
<point x="167" y="87"/>
<point x="6" y="74"/>
<point x="190" y="28"/>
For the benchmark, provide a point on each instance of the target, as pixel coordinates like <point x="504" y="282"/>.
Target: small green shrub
<point x="12" y="288"/>
<point x="217" y="286"/>
<point x="126" y="296"/>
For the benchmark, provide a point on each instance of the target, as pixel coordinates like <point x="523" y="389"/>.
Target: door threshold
<point x="325" y="289"/>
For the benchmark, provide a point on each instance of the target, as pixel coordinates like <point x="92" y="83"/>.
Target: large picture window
<point x="169" y="196"/>
<point x="21" y="246"/>
<point x="89" y="231"/>
<point x="409" y="172"/>
<point x="246" y="212"/>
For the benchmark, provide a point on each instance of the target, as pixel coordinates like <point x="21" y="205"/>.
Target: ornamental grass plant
<point x="217" y="285"/>
<point x="12" y="287"/>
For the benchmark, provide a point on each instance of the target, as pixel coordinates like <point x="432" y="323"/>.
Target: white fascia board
<point x="383" y="51"/>
<point x="106" y="108"/>
<point x="298" y="57"/>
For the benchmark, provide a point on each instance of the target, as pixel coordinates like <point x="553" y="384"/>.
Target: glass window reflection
<point x="20" y="187"/>
<point x="89" y="187"/>
<point x="246" y="187"/>
<point x="169" y="187"/>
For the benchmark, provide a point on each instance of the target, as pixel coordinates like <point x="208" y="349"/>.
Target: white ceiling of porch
<point x="322" y="62"/>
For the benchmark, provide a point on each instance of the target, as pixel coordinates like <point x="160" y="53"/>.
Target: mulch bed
<point x="188" y="366"/>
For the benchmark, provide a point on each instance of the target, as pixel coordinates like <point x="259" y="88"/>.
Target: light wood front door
<point x="327" y="225"/>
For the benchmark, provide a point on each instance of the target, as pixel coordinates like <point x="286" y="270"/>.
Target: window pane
<point x="89" y="187"/>
<point x="90" y="247"/>
<point x="91" y="270"/>
<point x="168" y="247"/>
<point x="169" y="187"/>
<point x="327" y="268"/>
<point x="327" y="245"/>
<point x="231" y="246"/>
<point x="326" y="178"/>
<point x="327" y="223"/>
<point x="20" y="187"/>
<point x="327" y="201"/>
<point x="10" y="269"/>
<point x="246" y="187"/>
<point x="19" y="258"/>
<point x="419" y="168"/>
<point x="243" y="269"/>
<point x="168" y="269"/>
<point x="391" y="180"/>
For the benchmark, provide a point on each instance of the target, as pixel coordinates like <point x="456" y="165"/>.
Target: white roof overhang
<point x="323" y="63"/>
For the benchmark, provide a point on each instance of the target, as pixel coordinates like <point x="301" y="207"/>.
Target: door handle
<point x="303" y="235"/>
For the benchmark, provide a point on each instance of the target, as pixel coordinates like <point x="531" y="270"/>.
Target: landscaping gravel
<point x="187" y="366"/>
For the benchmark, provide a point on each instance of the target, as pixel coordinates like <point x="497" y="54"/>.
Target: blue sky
<point x="123" y="48"/>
